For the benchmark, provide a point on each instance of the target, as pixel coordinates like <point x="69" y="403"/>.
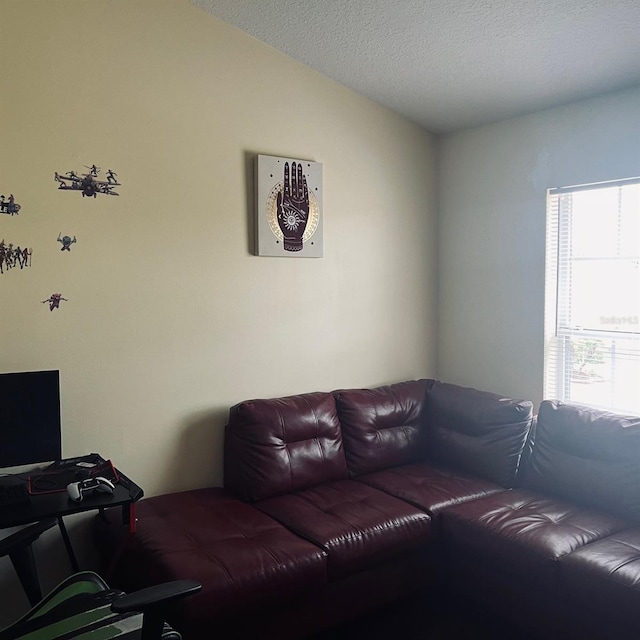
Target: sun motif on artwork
<point x="291" y="219"/>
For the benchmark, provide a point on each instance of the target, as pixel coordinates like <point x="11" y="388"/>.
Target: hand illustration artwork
<point x="293" y="207"/>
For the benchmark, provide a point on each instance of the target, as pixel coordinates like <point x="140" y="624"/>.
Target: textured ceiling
<point x="452" y="64"/>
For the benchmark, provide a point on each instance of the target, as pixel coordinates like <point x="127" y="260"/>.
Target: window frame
<point x="558" y="329"/>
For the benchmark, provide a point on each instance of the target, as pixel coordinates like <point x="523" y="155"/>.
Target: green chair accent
<point x="83" y="606"/>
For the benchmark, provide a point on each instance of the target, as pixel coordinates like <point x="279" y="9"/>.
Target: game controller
<point x="77" y="490"/>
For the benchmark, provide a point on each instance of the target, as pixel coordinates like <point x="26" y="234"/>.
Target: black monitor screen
<point x="29" y="418"/>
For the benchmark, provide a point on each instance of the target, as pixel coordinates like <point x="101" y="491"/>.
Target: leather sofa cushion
<point x="429" y="488"/>
<point x="477" y="432"/>
<point x="587" y="456"/>
<point x="606" y="574"/>
<point x="282" y="445"/>
<point x="382" y="427"/>
<point x="524" y="531"/>
<point x="242" y="557"/>
<point x="356" y="525"/>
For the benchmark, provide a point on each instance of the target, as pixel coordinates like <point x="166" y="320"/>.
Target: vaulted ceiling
<point x="453" y="64"/>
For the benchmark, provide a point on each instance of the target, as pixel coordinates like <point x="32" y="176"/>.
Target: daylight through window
<point x="592" y="297"/>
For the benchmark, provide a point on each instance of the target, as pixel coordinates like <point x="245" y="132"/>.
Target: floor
<point x="424" y="617"/>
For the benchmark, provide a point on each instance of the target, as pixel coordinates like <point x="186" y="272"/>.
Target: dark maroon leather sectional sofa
<point x="335" y="503"/>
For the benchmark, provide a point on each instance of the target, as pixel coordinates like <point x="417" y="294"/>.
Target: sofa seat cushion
<point x="524" y="531"/>
<point x="606" y="574"/>
<point x="357" y="525"/>
<point x="241" y="556"/>
<point x="429" y="487"/>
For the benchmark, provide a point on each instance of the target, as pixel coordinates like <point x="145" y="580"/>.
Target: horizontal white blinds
<point x="592" y="321"/>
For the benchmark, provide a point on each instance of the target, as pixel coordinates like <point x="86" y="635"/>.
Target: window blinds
<point x="592" y="316"/>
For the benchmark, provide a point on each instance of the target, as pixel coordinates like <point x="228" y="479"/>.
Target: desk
<point x="45" y="507"/>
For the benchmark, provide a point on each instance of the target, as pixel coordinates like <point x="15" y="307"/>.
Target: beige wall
<point x="170" y="319"/>
<point x="492" y="186"/>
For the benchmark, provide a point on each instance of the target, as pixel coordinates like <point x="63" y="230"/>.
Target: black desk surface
<point x="55" y="505"/>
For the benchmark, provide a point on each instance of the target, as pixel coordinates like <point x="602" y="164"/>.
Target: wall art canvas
<point x="288" y="207"/>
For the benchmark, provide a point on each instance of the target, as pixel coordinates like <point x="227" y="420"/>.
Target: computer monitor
<point x="29" y="418"/>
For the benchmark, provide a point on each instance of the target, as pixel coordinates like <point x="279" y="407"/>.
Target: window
<point x="592" y="295"/>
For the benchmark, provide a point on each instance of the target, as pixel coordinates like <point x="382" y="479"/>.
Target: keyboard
<point x="13" y="490"/>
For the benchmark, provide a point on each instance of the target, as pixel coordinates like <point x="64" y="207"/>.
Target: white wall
<point x="492" y="184"/>
<point x="170" y="320"/>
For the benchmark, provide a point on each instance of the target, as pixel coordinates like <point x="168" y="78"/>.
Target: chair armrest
<point x="152" y="601"/>
<point x="157" y="594"/>
<point x="24" y="537"/>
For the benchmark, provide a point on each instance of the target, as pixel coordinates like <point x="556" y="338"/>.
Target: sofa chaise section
<point x="563" y="528"/>
<point x="606" y="475"/>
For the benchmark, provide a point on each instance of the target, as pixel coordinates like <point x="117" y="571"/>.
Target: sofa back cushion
<point x="382" y="427"/>
<point x="282" y="445"/>
<point x="587" y="456"/>
<point x="476" y="432"/>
